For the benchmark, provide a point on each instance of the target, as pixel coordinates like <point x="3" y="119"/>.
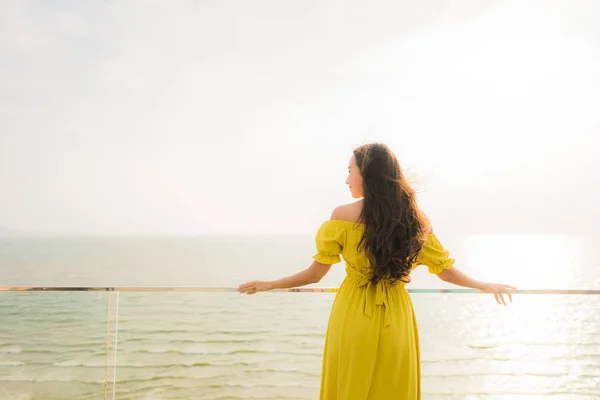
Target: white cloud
<point x="231" y="117"/>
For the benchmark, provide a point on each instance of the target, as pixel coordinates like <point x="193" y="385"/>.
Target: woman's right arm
<point x="459" y="278"/>
<point x="438" y="262"/>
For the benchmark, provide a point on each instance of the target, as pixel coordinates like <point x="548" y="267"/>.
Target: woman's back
<point x="371" y="349"/>
<point x="341" y="235"/>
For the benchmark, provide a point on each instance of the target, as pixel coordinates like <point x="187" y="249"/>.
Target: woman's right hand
<point x="499" y="290"/>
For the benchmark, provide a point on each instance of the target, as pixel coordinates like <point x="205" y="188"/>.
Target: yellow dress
<point x="372" y="343"/>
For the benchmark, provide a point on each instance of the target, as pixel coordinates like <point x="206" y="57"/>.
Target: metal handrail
<point x="230" y="289"/>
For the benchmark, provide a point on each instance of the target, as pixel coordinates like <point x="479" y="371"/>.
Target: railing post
<point x="112" y="330"/>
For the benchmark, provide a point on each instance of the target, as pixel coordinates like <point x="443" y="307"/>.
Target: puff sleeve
<point x="329" y="240"/>
<point x="434" y="256"/>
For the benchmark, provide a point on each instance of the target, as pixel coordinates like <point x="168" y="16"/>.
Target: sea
<point x="224" y="345"/>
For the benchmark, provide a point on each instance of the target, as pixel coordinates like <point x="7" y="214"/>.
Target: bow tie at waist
<point x="381" y="289"/>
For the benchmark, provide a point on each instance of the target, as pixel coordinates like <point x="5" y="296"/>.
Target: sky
<point x="238" y="118"/>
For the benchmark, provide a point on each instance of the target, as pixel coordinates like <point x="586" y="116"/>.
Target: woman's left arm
<point x="312" y="274"/>
<point x="457" y="277"/>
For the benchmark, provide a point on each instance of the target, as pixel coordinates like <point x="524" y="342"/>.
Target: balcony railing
<point x="229" y="289"/>
<point x="547" y="342"/>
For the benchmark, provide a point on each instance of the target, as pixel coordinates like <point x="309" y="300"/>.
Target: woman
<point x="372" y="344"/>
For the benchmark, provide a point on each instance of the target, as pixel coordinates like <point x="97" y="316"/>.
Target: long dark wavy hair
<point x="395" y="228"/>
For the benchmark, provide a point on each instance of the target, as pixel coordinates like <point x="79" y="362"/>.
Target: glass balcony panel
<point x="53" y="345"/>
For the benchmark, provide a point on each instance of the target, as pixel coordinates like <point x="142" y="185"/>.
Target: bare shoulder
<point x="348" y="212"/>
<point x="427" y="221"/>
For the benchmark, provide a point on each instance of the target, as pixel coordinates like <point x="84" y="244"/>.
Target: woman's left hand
<point x="254" y="287"/>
